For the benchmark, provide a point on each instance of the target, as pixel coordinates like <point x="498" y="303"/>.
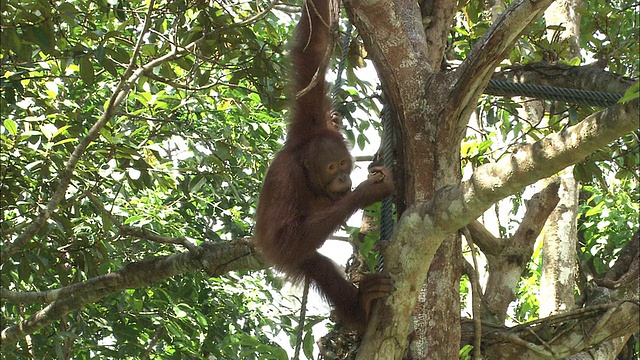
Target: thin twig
<point x="137" y="232"/>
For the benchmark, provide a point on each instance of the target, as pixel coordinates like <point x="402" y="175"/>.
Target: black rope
<point x="592" y="98"/>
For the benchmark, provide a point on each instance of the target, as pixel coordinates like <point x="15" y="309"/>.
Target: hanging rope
<point x="303" y="315"/>
<point x="386" y="210"/>
<point x="593" y="98"/>
<point x="343" y="61"/>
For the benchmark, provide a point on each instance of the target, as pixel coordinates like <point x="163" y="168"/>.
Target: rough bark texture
<point x="560" y="235"/>
<point x="559" y="250"/>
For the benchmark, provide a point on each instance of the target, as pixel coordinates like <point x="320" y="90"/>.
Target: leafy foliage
<point x="608" y="31"/>
<point x="183" y="157"/>
<point x="608" y="219"/>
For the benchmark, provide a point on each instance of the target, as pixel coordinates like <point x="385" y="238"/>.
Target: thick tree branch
<point x="603" y="350"/>
<point x="394" y="36"/>
<point x="488" y="243"/>
<point x="476" y="297"/>
<point x="507" y="266"/>
<point x="609" y="314"/>
<point x="626" y="268"/>
<point x="538" y="210"/>
<point x="456" y="206"/>
<point x="213" y="258"/>
<point x="560" y="336"/>
<point x="437" y="18"/>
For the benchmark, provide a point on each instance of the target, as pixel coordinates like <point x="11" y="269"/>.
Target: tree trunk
<point x="432" y="109"/>
<point x="560" y="234"/>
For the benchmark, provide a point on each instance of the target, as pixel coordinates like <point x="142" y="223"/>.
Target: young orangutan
<point x="307" y="193"/>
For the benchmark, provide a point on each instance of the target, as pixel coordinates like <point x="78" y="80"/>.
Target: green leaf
<point x="631" y="93"/>
<point x="118" y="54"/>
<point x="307" y="345"/>
<point x="11" y="39"/>
<point x="60" y="131"/>
<point x="133" y="219"/>
<point x="68" y="8"/>
<point x="86" y="70"/>
<point x="167" y="71"/>
<point x="149" y="49"/>
<point x="100" y="52"/>
<point x="11" y="126"/>
<point x="594" y="210"/>
<point x="185" y="63"/>
<point x="362" y="140"/>
<point x="68" y="140"/>
<point x="110" y="66"/>
<point x="196" y="184"/>
<point x="44" y="37"/>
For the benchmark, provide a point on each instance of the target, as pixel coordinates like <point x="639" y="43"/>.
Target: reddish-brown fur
<point x="296" y="214"/>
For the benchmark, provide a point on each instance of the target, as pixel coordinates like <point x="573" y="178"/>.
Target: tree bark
<point x="432" y="111"/>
